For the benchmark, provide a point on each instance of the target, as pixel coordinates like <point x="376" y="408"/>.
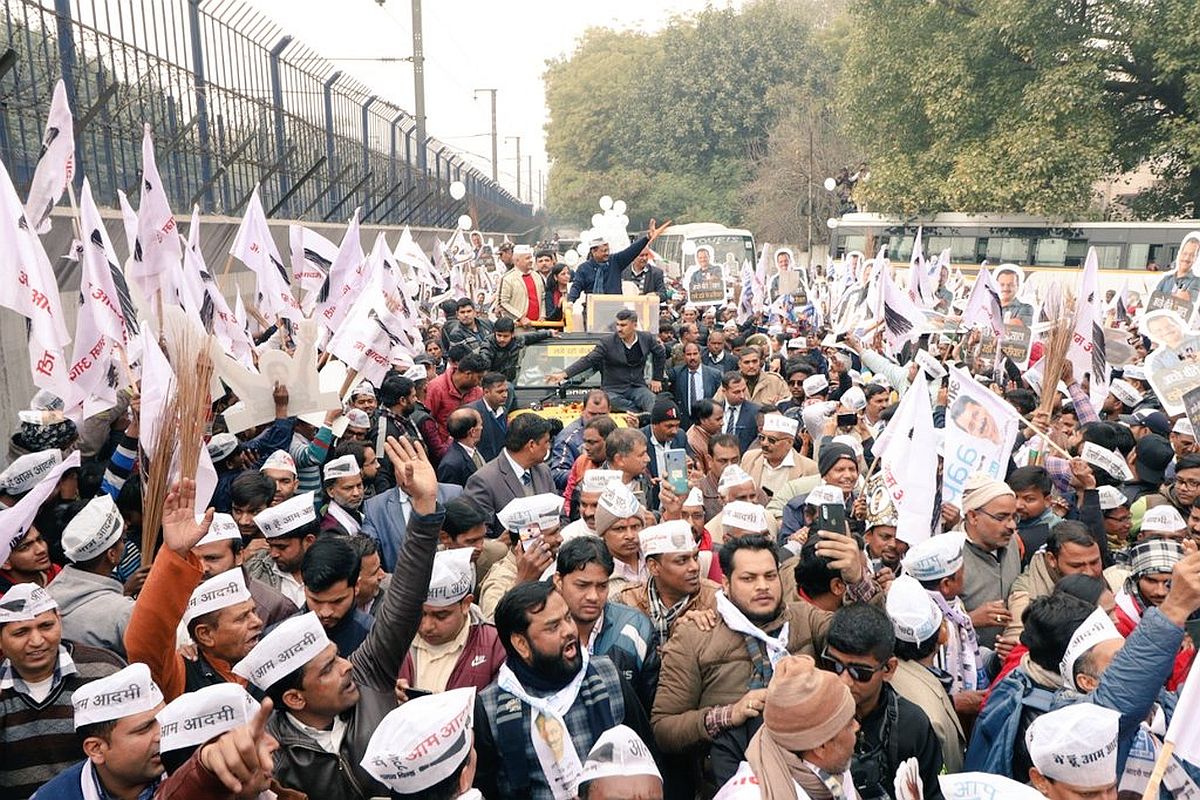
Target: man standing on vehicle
<point x="621" y="360"/>
<point x="601" y="273"/>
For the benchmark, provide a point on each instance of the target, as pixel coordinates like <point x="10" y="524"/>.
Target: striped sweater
<point x="38" y="741"/>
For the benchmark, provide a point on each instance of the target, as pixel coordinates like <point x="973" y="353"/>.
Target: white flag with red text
<point x="56" y="162"/>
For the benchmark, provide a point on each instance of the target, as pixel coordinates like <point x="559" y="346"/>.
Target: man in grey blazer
<point x="519" y="471"/>
<point x="621" y="360"/>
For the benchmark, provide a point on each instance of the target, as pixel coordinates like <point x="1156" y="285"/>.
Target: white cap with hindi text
<point x="24" y="602"/>
<point x="732" y="475"/>
<point x="673" y="536"/>
<point x="1092" y="631"/>
<point x="778" y="423"/>
<point x="1076" y="744"/>
<point x="219" y="591"/>
<point x="744" y="517"/>
<point x="195" y="717"/>
<point x="453" y="577"/>
<point x="422" y="742"/>
<point x="596" y="480"/>
<point x="815" y="384"/>
<point x="122" y="694"/>
<point x="223" y="528"/>
<point x="290" y="515"/>
<point x="26" y="471"/>
<point x="543" y="510"/>
<point x="916" y="618"/>
<point x="286" y="648"/>
<point x="935" y="558"/>
<point x="617" y="753"/>
<point x="342" y="467"/>
<point x="93" y="530"/>
<point x="280" y="460"/>
<point x="694" y="498"/>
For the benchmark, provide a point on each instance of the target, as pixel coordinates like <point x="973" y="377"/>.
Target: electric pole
<point x="418" y="59"/>
<point x="495" y="163"/>
<point x="518" y="139"/>
<point x="529" y="177"/>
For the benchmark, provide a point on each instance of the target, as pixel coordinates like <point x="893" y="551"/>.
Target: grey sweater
<point x="94" y="608"/>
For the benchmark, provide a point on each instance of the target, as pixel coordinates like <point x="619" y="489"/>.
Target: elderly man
<point x="522" y="290"/>
<point x="990" y="564"/>
<point x="462" y="458"/>
<point x="344" y="488"/>
<point x="776" y="461"/>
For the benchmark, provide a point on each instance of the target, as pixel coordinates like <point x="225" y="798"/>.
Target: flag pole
<point x="1046" y="437"/>
<point x="1160" y="769"/>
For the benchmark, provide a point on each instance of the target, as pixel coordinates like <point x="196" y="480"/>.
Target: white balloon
<point x="830" y="184"/>
<point x="571" y="258"/>
<point x="623" y="221"/>
<point x="606" y="202"/>
<point x="619" y="207"/>
<point x="689" y="247"/>
<point x="458" y="190"/>
<point x="597" y="220"/>
<point x="832" y="223"/>
<point x="465" y="222"/>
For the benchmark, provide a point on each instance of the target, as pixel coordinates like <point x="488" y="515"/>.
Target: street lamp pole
<point x="495" y="162"/>
<point x="518" y="140"/>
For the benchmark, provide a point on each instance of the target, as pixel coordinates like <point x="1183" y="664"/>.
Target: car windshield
<point x="541" y="359"/>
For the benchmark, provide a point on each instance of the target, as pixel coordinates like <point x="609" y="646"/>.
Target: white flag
<point x="312" y="255"/>
<point x="56" y="162"/>
<point x="981" y="429"/>
<point x="99" y="270"/>
<point x="910" y="471"/>
<point x="410" y="254"/>
<point x="1184" y="729"/>
<point x="347" y="278"/>
<point x="255" y="248"/>
<point x="157" y="253"/>
<point x="191" y="285"/>
<point x="983" y="305"/>
<point x="16" y="520"/>
<point x="902" y="320"/>
<point x="1087" y="351"/>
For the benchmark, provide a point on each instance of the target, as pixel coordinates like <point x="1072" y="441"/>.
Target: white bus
<point x="728" y="244"/>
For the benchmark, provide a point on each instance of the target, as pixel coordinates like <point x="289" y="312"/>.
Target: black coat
<point x="746" y="429"/>
<point x="653" y="281"/>
<point x="456" y="466"/>
<point x="710" y="380"/>
<point x="608" y="357"/>
<point x="494" y="430"/>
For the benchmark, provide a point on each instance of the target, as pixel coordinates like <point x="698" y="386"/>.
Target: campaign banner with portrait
<point x="981" y="429"/>
<point x="1016" y="343"/>
<point x="705" y="287"/>
<point x="1179" y="290"/>
<point x="1173" y="367"/>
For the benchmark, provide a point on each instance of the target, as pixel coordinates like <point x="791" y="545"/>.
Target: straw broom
<point x="1058" y="344"/>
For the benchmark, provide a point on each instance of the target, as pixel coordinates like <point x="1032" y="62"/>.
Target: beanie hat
<point x="664" y="410"/>
<point x="806" y="707"/>
<point x="830" y="454"/>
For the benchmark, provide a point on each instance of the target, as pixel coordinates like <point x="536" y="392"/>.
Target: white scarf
<point x="344" y="518"/>
<point x="736" y="620"/>
<point x="87" y="781"/>
<point x="1126" y="603"/>
<point x="562" y="769"/>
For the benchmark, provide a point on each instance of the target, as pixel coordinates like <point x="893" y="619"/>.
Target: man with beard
<point x="290" y="529"/>
<point x="762" y="388"/>
<point x="674" y="586"/>
<point x="584" y="567"/>
<point x="883" y="547"/>
<point x="537" y="722"/>
<point x="326" y="706"/>
<point x="344" y="488"/>
<point x="330" y="570"/>
<point x="714" y="680"/>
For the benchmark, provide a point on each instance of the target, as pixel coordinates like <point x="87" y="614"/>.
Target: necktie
<point x="697" y="390"/>
<point x="527" y="482"/>
<point x="730" y="419"/>
<point x="477" y="459"/>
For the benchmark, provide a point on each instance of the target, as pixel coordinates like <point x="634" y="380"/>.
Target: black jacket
<point x="504" y="359"/>
<point x="652" y="281"/>
<point x="609" y="357"/>
<point x="456" y="466"/>
<point x="454" y="333"/>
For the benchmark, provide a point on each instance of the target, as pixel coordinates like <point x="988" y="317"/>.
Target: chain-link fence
<point x="233" y="102"/>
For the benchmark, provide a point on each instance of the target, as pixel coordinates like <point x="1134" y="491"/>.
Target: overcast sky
<point x="469" y="44"/>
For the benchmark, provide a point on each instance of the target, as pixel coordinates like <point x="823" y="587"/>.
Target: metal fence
<point x="233" y="102"/>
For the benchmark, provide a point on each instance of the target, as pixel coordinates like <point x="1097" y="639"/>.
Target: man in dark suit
<point x="519" y="470"/>
<point x="716" y="355"/>
<point x="693" y="381"/>
<point x="493" y="408"/>
<point x="645" y="276"/>
<point x="741" y="416"/>
<point x="465" y="426"/>
<point x="601" y="272"/>
<point x="621" y="360"/>
<point x="664" y="432"/>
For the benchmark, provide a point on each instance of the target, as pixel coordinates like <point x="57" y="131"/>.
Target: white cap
<point x="815" y="384"/>
<point x="453" y="577"/>
<point x="1109" y="461"/>
<point x="1183" y="427"/>
<point x="422" y="742"/>
<point x="852" y="442"/>
<point x="744" y="516"/>
<point x="344" y="467"/>
<point x="25" y="472"/>
<point x="417" y="372"/>
<point x="935" y="558"/>
<point x="1092" y="631"/>
<point x="824" y="494"/>
<point x="1134" y="371"/>
<point x="985" y="786"/>
<point x="522" y="250"/>
<point x="732" y="475"/>
<point x="1111" y="497"/>
<point x="280" y="460"/>
<point x="357" y="418"/>
<point x="93" y="530"/>
<point x="674" y="536"/>
<point x="290" y="515"/>
<point x="596" y="240"/>
<point x="122" y="694"/>
<point x="1076" y="744"/>
<point x="195" y="717"/>
<point x="363" y="389"/>
<point x="854" y="398"/>
<point x="25" y="601"/>
<point x="916" y="618"/>
<point x="219" y="591"/>
<point x="798" y="343"/>
<point x="221" y="445"/>
<point x="879" y="379"/>
<point x="778" y="423"/>
<point x="543" y="510"/>
<point x="618" y="500"/>
<point x="617" y="753"/>
<point x="222" y="528"/>
<point x="694" y="498"/>
<point x="1162" y="519"/>
<point x="595" y="480"/>
<point x="289" y="646"/>
<point x="1123" y="390"/>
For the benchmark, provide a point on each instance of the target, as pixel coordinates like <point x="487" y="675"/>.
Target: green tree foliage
<point x="671" y="122"/>
<point x="1022" y="105"/>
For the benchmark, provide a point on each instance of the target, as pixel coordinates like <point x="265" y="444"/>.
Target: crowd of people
<point x="699" y="587"/>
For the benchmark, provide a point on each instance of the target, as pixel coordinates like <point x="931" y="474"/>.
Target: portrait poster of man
<point x="1179" y="289"/>
<point x="1009" y="280"/>
<point x="704" y="280"/>
<point x="980" y="431"/>
<point x="1173" y="366"/>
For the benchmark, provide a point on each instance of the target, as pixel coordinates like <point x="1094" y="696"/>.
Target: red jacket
<point x="477" y="666"/>
<point x="442" y="398"/>
<point x="1183" y="659"/>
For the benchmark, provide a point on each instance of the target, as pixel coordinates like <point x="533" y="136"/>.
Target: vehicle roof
<point x="1005" y="220"/>
<point x="704" y="229"/>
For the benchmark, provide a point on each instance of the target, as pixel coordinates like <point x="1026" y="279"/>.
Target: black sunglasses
<point x="859" y="672"/>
